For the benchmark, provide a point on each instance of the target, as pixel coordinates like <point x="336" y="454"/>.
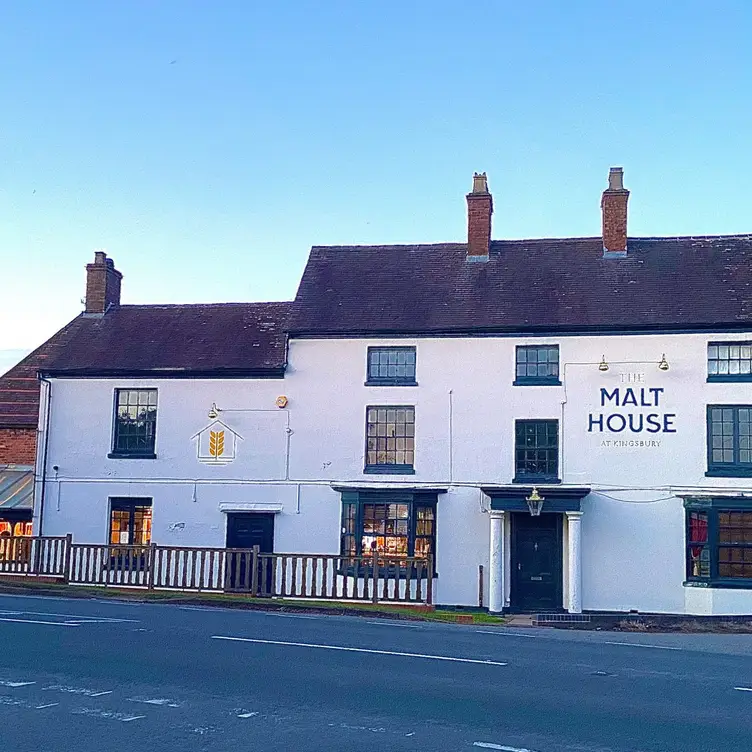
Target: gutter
<point x="43" y="445"/>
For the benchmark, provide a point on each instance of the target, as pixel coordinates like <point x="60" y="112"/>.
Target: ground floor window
<point x="130" y="522"/>
<point x="398" y="525"/>
<point x="719" y="541"/>
<point x="15" y="528"/>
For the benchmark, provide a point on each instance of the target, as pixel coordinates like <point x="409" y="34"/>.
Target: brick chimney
<point x="614" y="209"/>
<point x="479" y="211"/>
<point x="102" y="284"/>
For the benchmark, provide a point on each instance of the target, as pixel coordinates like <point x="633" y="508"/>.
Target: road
<point x="91" y="675"/>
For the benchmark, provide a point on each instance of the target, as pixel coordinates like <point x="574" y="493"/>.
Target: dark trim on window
<point x="389" y="470"/>
<point x="394" y="380"/>
<point x="527" y="456"/>
<point x="535" y="479"/>
<point x="353" y="521"/>
<point x="735" y="468"/>
<point x="729" y="378"/>
<point x="551" y="381"/>
<point x="703" y="542"/>
<point x="523" y="360"/>
<point x="131" y="456"/>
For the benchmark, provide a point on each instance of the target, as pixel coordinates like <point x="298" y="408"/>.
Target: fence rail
<point x="375" y="578"/>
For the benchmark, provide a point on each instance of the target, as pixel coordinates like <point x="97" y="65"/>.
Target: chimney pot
<point x="102" y="284"/>
<point x="479" y="211"/>
<point x="614" y="211"/>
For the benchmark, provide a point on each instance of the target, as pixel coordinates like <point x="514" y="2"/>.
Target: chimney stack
<point x="614" y="209"/>
<point x="102" y="284"/>
<point x="479" y="211"/>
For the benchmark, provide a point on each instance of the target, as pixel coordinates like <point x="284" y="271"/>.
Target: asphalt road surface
<point x="87" y="676"/>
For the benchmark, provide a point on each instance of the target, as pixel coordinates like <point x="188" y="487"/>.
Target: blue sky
<point x="208" y="145"/>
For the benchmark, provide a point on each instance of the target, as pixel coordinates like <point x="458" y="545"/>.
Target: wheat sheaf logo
<point x="216" y="444"/>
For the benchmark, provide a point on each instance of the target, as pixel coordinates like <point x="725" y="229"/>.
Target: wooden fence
<point x="373" y="578"/>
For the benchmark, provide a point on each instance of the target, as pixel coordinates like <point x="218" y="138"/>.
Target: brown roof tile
<point x="527" y="285"/>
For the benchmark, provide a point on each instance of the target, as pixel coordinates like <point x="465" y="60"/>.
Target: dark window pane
<point x="536" y="448"/>
<point x="537" y="362"/>
<point x="393" y="365"/>
<point x="393" y="428"/>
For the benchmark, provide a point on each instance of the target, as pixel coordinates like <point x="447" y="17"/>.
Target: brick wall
<point x="18" y="446"/>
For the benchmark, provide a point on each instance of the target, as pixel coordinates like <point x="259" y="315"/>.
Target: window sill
<point x="729" y="378"/>
<point x="731" y="584"/>
<point x="535" y="479"/>
<point x="392" y="382"/>
<point x="536" y="382"/>
<point x="389" y="470"/>
<point x="729" y="472"/>
<point x="131" y="456"/>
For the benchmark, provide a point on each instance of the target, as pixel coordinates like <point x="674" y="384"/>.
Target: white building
<point x="419" y="397"/>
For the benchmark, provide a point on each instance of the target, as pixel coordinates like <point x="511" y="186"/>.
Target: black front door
<point x="246" y="530"/>
<point x="536" y="562"/>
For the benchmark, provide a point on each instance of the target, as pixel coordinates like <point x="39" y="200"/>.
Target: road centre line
<point x="48" y="623"/>
<point x="77" y="617"/>
<point x="15" y="684"/>
<point x="506" y="634"/>
<point x="743" y="689"/>
<point x="489" y="745"/>
<point x="156" y="701"/>
<point x="359" y="650"/>
<point x="642" y="645"/>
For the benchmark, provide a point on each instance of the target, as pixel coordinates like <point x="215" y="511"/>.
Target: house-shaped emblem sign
<point x="217" y="443"/>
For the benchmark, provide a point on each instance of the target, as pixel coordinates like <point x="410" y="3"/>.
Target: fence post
<point x="374" y="573"/>
<point x="150" y="564"/>
<point x="480" y="586"/>
<point x="429" y="584"/>
<point x="67" y="557"/>
<point x="254" y="571"/>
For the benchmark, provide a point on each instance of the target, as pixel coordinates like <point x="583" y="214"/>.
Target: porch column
<point x="496" y="563"/>
<point x="574" y="556"/>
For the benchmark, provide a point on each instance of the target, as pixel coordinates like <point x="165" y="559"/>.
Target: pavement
<point x="93" y="675"/>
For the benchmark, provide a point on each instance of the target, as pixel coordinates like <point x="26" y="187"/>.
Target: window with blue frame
<point x="391" y="366"/>
<point x="537" y="365"/>
<point x="536" y="451"/>
<point x="719" y="542"/>
<point x="390" y="439"/>
<point x="730" y="361"/>
<point x="730" y="440"/>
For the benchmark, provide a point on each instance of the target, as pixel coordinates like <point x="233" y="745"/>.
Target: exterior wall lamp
<point x="535" y="502"/>
<point x="213" y="411"/>
<point x="603" y="366"/>
<point x="663" y="365"/>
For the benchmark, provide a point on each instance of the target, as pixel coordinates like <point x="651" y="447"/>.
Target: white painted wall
<point x="632" y="528"/>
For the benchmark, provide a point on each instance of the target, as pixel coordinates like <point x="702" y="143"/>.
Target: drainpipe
<point x="47" y="386"/>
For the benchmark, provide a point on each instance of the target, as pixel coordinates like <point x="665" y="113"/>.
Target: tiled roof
<point x="527" y="285"/>
<point x="19" y="387"/>
<point x="232" y="339"/>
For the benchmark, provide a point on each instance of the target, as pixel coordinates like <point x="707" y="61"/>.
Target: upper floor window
<point x="730" y="440"/>
<point x="537" y="365"/>
<point x="390" y="439"/>
<point x="135" y="423"/>
<point x="536" y="451"/>
<point x="391" y="366"/>
<point x="730" y="361"/>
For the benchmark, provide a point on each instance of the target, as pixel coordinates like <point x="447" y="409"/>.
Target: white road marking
<point x="488" y="745"/>
<point x="292" y="616"/>
<point x="48" y="705"/>
<point x="156" y="701"/>
<point x="49" y="623"/>
<point x="395" y="624"/>
<point x="10" y="613"/>
<point x="642" y="645"/>
<point x="78" y="617"/>
<point x="76" y="690"/>
<point x="246" y="715"/>
<point x="743" y="689"/>
<point x="360" y="650"/>
<point x="505" y="634"/>
<point x="15" y="684"/>
<point x="125" y="718"/>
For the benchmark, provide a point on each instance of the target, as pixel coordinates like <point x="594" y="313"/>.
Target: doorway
<point x="536" y="562"/>
<point x="246" y="530"/>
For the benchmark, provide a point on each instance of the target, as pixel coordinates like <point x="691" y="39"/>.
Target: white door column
<point x="574" y="561"/>
<point x="496" y="563"/>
